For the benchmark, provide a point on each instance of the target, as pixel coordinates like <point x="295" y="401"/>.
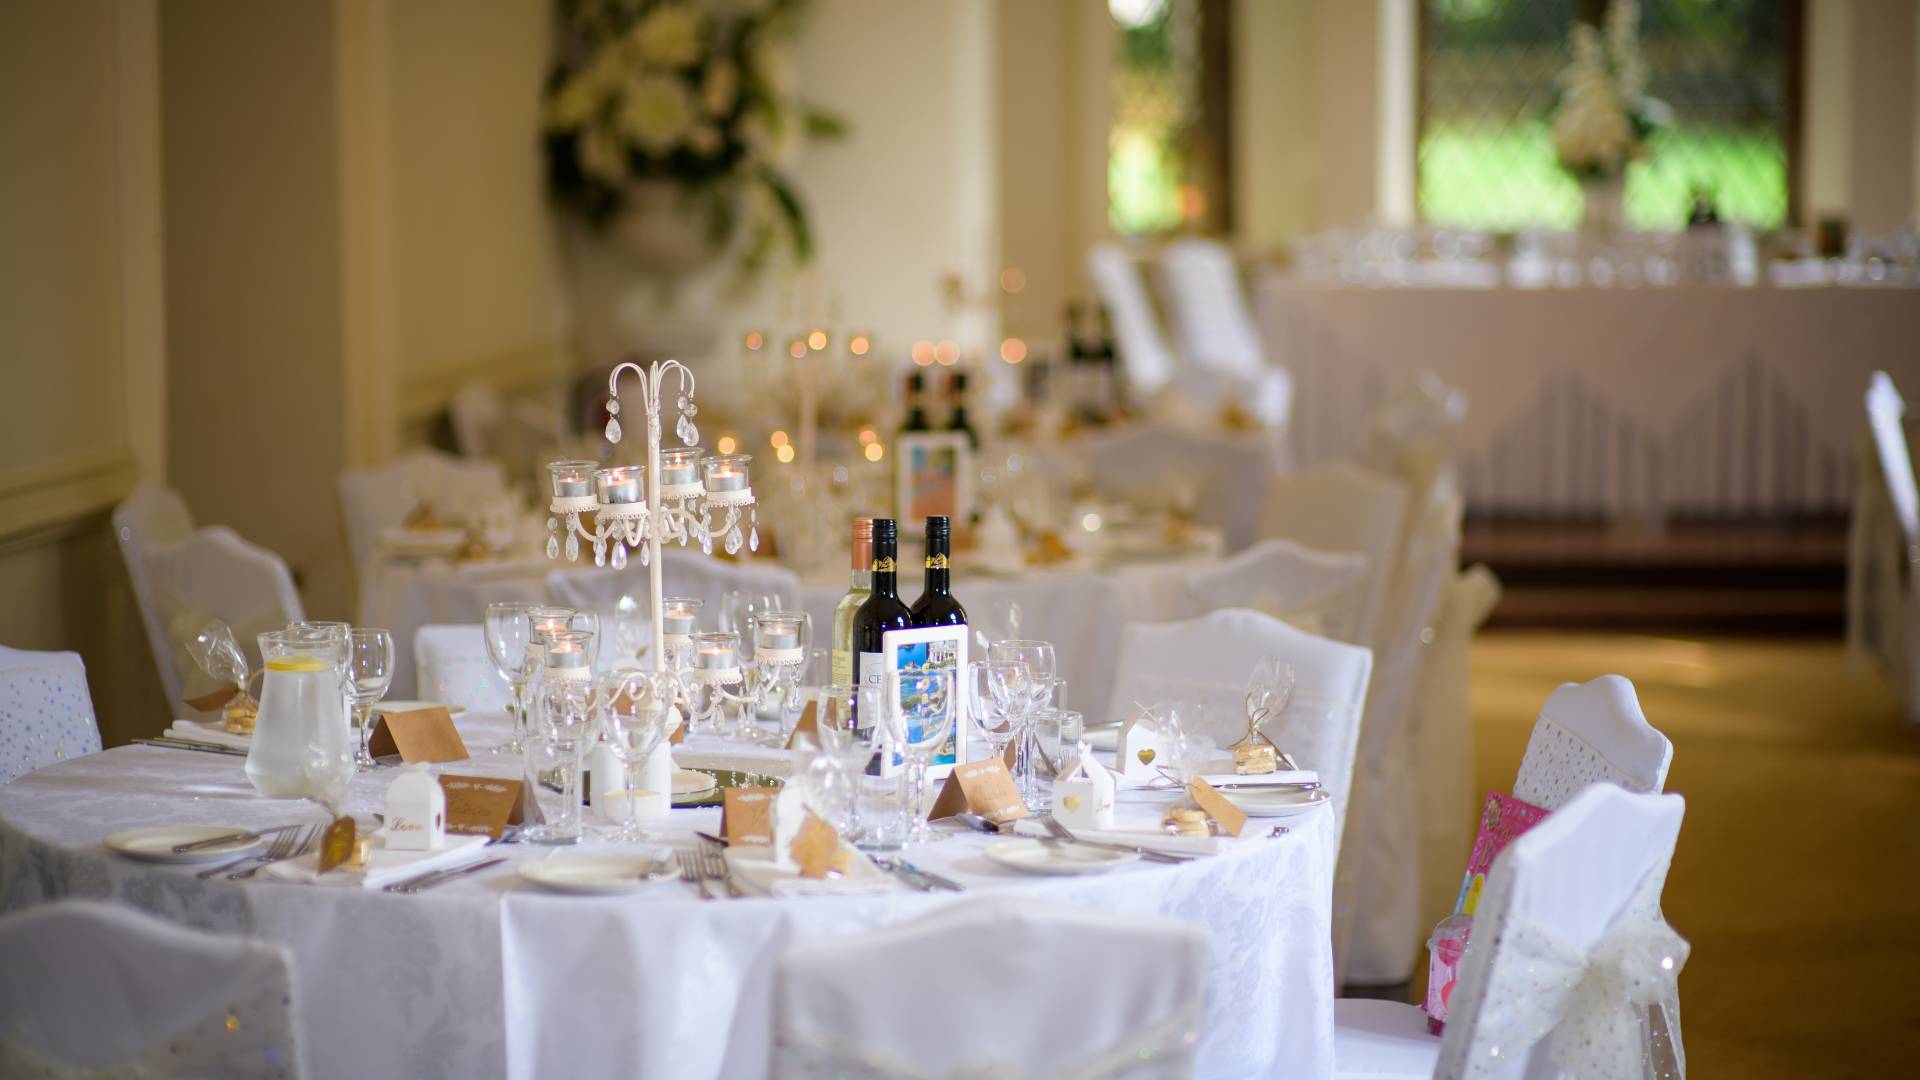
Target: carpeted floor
<point x="1797" y="876"/>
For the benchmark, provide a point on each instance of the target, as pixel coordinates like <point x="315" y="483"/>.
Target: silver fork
<point x="299" y="847"/>
<point x="717" y="869"/>
<point x="282" y="842"/>
<point x="693" y="867"/>
<point x="1061" y="834"/>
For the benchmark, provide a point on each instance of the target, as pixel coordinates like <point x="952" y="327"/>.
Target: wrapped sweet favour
<point x="416" y="811"/>
<point x="1445" y="950"/>
<point x="218" y="654"/>
<point x="1083" y="792"/>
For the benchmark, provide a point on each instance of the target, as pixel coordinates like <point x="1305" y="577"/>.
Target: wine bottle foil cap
<point x="862" y="543"/>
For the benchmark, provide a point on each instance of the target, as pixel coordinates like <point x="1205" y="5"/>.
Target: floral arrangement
<point x="697" y="93"/>
<point x="1604" y="116"/>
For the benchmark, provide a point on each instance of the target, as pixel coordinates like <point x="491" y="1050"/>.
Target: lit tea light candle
<point x="548" y="621"/>
<point x="567" y="651"/>
<point x="678" y="616"/>
<point x="716" y="652"/>
<point x="780" y="637"/>
<point x="572" y="479"/>
<point x="620" y="484"/>
<point x="680" y="471"/>
<point x="727" y="472"/>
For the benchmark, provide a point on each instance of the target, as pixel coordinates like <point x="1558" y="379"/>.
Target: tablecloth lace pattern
<point x="1161" y="1050"/>
<point x="1559" y="764"/>
<point x="1611" y="1012"/>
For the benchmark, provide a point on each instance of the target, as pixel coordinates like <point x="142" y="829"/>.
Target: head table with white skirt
<point x="490" y="976"/>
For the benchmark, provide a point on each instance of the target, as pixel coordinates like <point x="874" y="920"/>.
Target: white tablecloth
<point x="489" y="977"/>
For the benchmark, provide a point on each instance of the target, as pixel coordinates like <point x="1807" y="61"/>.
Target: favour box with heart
<point x="1146" y="741"/>
<point x="1083" y="792"/>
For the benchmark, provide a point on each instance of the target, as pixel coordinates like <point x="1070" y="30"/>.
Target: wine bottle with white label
<point x="882" y="611"/>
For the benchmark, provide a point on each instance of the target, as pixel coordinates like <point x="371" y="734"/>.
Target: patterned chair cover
<point x="46" y="713"/>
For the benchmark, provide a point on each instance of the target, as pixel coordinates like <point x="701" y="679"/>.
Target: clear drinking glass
<point x="850" y="747"/>
<point x="882" y="814"/>
<point x="635" y="710"/>
<point x="1038" y="660"/>
<point x="994" y="722"/>
<point x="588" y="623"/>
<point x="369" y="673"/>
<point x="918" y="718"/>
<point x="509" y="632"/>
<point x="566" y="719"/>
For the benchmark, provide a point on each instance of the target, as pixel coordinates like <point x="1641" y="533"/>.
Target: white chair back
<point x="1591" y="733"/>
<point x="95" y="989"/>
<point x="151" y="515"/>
<point x="683" y="572"/>
<point x="475" y="414"/>
<point x="46" y="712"/>
<point x="1885" y="408"/>
<point x="1321" y="592"/>
<point x="1144" y="354"/>
<point x="1212" y="325"/>
<point x="1883" y="591"/>
<point x="376" y="499"/>
<point x="1592" y="871"/>
<point x="1443" y="739"/>
<point x="214" y="574"/>
<point x="453" y="667"/>
<point x="1134" y="987"/>
<point x="1340" y="506"/>
<point x="1207" y="661"/>
<point x="1218" y="476"/>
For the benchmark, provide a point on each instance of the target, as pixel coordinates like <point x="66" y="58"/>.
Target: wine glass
<point x="918" y="718"/>
<point x="737" y="609"/>
<point x="566" y="722"/>
<point x="1038" y="660"/>
<point x="509" y="632"/>
<point x="369" y="673"/>
<point x="629" y="627"/>
<point x="995" y="722"/>
<point x="635" y="715"/>
<point x="850" y="746"/>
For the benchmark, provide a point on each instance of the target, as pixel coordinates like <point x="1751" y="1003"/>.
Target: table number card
<point x="984" y="787"/>
<point x="418" y="735"/>
<point x="746" y="816"/>
<point x="1229" y="817"/>
<point x="483" y="804"/>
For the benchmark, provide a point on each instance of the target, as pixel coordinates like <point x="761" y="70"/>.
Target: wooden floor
<point x="1797" y="876"/>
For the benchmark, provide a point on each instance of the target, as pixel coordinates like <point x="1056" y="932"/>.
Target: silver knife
<point x="440" y="877"/>
<point x="232" y="837"/>
<point x="933" y="879"/>
<point x="1295" y="785"/>
<point x="203" y="748"/>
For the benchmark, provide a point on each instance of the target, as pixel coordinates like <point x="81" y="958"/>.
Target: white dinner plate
<point x="155" y="843"/>
<point x="598" y="875"/>
<point x="410" y="706"/>
<point x="1276" y="802"/>
<point x="1038" y="857"/>
<point x="689" y="782"/>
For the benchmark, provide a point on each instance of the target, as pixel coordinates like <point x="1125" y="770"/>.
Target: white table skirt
<point x="489" y="977"/>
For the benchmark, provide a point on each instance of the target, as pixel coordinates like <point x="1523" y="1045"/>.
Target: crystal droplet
<point x="552" y="524"/>
<point x="553" y="546"/>
<point x="646" y="554"/>
<point x="733" y="541"/>
<point x="706" y="544"/>
<point x="573" y="547"/>
<point x="692" y="409"/>
<point x="599" y="554"/>
<point x="753" y="539"/>
<point x="613" y="430"/>
<point x="692" y="436"/>
<point x="680" y="402"/>
<point x="613" y="406"/>
<point x="680" y="429"/>
<point x="619" y="556"/>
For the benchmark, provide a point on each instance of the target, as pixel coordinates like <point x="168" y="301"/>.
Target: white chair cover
<point x="96" y="990"/>
<point x="1883" y="558"/>
<point x="1143" y="349"/>
<point x="1571" y="971"/>
<point x="214" y="574"/>
<point x="1340" y="506"/>
<point x="453" y="668"/>
<point x="1207" y="661"/>
<point x="372" y="500"/>
<point x="1096" y="995"/>
<point x="1219" y="476"/>
<point x="1213" y="328"/>
<point x="46" y="713"/>
<point x="1449" y="801"/>
<point x="152" y="515"/>
<point x="475" y="414"/>
<point x="1317" y="591"/>
<point x="683" y="572"/>
<point x="1591" y="733"/>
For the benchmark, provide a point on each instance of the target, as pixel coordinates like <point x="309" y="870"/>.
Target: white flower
<point x="721" y="88"/>
<point x="599" y="154"/>
<point x="669" y="36"/>
<point x="705" y="140"/>
<point x="655" y="112"/>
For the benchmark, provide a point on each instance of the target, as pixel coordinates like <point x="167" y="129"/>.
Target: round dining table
<point x="489" y="975"/>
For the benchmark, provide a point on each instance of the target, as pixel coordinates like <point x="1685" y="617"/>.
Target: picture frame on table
<point x="933" y="476"/>
<point x="942" y="648"/>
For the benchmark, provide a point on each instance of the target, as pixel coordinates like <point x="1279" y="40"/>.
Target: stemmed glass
<point x="918" y="716"/>
<point x="996" y="724"/>
<point x="509" y="631"/>
<point x="588" y="622"/>
<point x="635" y="707"/>
<point x="566" y="721"/>
<point x="850" y="747"/>
<point x="369" y="673"/>
<point x="1022" y="695"/>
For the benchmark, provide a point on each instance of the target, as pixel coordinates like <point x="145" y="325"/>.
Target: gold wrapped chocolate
<point x="241" y="714"/>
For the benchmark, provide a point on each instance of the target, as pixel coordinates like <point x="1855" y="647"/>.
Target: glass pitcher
<point x="302" y="742"/>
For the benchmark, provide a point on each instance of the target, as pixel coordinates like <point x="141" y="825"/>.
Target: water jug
<point x="302" y="742"/>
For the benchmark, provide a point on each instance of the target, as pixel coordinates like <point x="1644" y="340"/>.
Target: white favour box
<point x="1144" y="744"/>
<point x="416" y="811"/>
<point x="1083" y="793"/>
<point x="789" y="813"/>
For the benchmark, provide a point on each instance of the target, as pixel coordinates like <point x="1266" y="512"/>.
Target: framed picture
<point x="934" y="648"/>
<point x="933" y="474"/>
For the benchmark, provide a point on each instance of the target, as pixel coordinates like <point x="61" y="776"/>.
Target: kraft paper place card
<point x="1229" y="817"/>
<point x="418" y="735"/>
<point x="483" y="804"/>
<point x="984" y="787"/>
<point x="212" y="699"/>
<point x="809" y="723"/>
<point x="746" y="816"/>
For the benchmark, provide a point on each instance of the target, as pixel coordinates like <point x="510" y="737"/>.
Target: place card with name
<point x="746" y="816"/>
<point x="1229" y="817"/>
<point x="808" y="724"/>
<point x="487" y="804"/>
<point x="417" y="735"/>
<point x="984" y="787"/>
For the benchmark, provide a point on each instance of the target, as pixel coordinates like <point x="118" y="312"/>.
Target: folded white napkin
<point x="1283" y="778"/>
<point x="210" y="734"/>
<point x="384" y="866"/>
<point x="842" y="886"/>
<point x="1154" y="840"/>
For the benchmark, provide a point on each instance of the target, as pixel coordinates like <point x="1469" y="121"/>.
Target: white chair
<point x="374" y="500"/>
<point x="1443" y="739"/>
<point x="476" y="414"/>
<point x="152" y="515"/>
<point x="46" y="712"/>
<point x="1219" y="476"/>
<point x="453" y="667"/>
<point x="1340" y="506"/>
<point x="96" y="990"/>
<point x="1883" y="558"/>
<point x="1570" y="905"/>
<point x="1591" y="733"/>
<point x="1317" y="591"/>
<point x="1099" y="995"/>
<point x="214" y="574"/>
<point x="1213" y="328"/>
<point x="1143" y="350"/>
<point x="1207" y="661"/>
